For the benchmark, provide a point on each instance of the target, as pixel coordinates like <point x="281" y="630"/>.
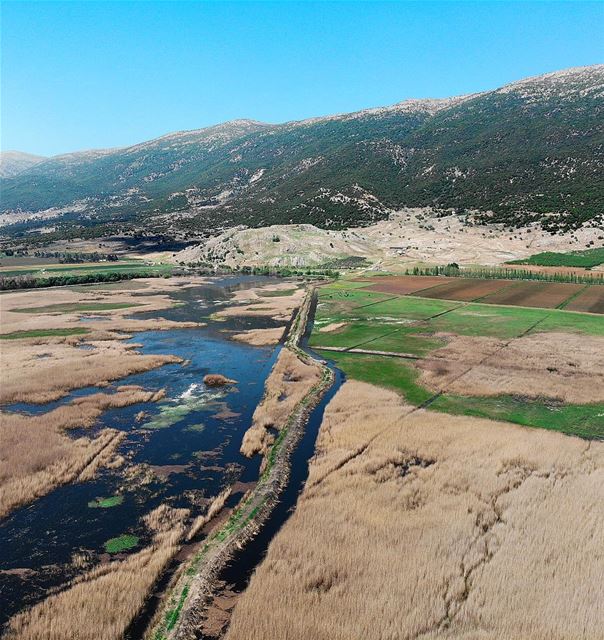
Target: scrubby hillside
<point x="530" y="151"/>
<point x="14" y="162"/>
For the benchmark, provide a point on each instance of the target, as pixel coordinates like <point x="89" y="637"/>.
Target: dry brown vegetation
<point x="102" y="602"/>
<point x="333" y="326"/>
<point x="251" y="302"/>
<point x="260" y="337"/>
<point x="213" y="510"/>
<point x="217" y="380"/>
<point x="416" y="525"/>
<point x="45" y="369"/>
<point x="35" y="453"/>
<point x="288" y="382"/>
<point x="64" y="367"/>
<point x="37" y="456"/>
<point x="562" y="366"/>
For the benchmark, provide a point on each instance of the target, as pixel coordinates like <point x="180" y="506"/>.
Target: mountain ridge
<point x="532" y="150"/>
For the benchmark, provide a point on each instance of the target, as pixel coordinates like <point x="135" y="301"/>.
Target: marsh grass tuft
<point x="106" y="503"/>
<point x="121" y="543"/>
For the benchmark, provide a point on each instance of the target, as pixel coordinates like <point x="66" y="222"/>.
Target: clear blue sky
<point x="80" y="75"/>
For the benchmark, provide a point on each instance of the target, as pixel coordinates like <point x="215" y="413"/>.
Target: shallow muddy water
<point x="186" y="449"/>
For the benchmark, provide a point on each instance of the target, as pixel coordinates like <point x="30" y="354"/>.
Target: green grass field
<point x="392" y="373"/>
<point x="408" y="324"/>
<point x="488" y="320"/>
<point x="279" y="293"/>
<point x="78" y="307"/>
<point x="586" y="259"/>
<point x="80" y="269"/>
<point x="573" y="419"/>
<point x="44" y="333"/>
<point x="378" y="336"/>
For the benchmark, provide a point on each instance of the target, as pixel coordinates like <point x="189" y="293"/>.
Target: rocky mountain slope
<point x="15" y="162"/>
<point x="530" y="151"/>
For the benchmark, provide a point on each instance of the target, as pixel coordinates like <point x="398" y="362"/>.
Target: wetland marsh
<point x="180" y="451"/>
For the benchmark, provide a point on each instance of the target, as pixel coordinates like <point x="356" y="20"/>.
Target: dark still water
<point x="180" y="451"/>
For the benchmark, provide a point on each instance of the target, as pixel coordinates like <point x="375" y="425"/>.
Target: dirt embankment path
<point x="185" y="606"/>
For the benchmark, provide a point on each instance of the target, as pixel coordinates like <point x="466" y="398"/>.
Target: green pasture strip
<point x="572" y="322"/>
<point x="406" y="340"/>
<point x="344" y="284"/>
<point x="351" y="335"/>
<point x="411" y="308"/>
<point x="392" y="373"/>
<point x="77" y="307"/>
<point x="41" y="269"/>
<point x="119" y="285"/>
<point x="379" y="336"/>
<point x="352" y="297"/>
<point x="475" y="319"/>
<point x="338" y="308"/>
<point x="586" y="259"/>
<point x="586" y="421"/>
<point x="44" y="333"/>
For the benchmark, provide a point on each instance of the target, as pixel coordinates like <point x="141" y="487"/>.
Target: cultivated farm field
<point x="540" y="367"/>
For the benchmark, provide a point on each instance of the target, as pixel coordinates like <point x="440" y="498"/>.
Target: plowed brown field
<point x="403" y="284"/>
<point x="466" y="289"/>
<point x="546" y="295"/>
<point x="591" y="300"/>
<point x="522" y="293"/>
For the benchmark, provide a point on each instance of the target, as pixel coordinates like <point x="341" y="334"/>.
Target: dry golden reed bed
<point x="260" y="337"/>
<point x="289" y="381"/>
<point x="416" y="525"/>
<point x="35" y="453"/>
<point x="101" y="603"/>
<point x="563" y="366"/>
<point x="42" y="373"/>
<point x="252" y="302"/>
<point x="37" y="456"/>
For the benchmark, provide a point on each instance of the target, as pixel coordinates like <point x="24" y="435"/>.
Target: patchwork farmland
<point x="448" y="347"/>
<point x="529" y="293"/>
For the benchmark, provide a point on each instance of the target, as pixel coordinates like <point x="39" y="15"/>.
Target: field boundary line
<point x="486" y="295"/>
<point x="369" y="352"/>
<point x="363" y="306"/>
<point x="389" y="333"/>
<point x="572" y="297"/>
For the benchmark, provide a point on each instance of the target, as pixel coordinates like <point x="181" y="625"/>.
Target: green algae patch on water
<point x="167" y="416"/>
<point x="121" y="543"/>
<point x="198" y="428"/>
<point x="106" y="503"/>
